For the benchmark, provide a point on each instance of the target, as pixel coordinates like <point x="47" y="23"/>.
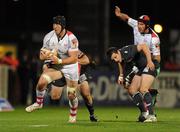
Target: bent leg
<point x="86" y="94"/>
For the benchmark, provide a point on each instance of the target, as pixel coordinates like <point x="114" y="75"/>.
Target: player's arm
<point x="43" y="54"/>
<point x="46" y="54"/>
<point x="121" y="15"/>
<point x="73" y="58"/>
<point x="120" y="78"/>
<point x="146" y="51"/>
<point x="83" y="59"/>
<point x="155" y="45"/>
<point x="157" y="57"/>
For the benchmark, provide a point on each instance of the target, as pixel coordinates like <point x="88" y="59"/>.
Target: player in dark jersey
<point x="85" y="65"/>
<point x="138" y="56"/>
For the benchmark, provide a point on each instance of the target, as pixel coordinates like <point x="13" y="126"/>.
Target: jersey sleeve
<point x="155" y="46"/>
<point x="73" y="42"/>
<point x="132" y="22"/>
<point x="46" y="40"/>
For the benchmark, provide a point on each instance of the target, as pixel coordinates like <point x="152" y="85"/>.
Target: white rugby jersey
<point x="151" y="39"/>
<point x="68" y="43"/>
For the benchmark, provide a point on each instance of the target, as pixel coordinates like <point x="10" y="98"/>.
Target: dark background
<point x="25" y="22"/>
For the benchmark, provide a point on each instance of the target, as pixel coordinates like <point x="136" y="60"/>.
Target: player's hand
<point x="120" y="80"/>
<point x="45" y="53"/>
<point x="93" y="64"/>
<point x="150" y="65"/>
<point x="117" y="11"/>
<point x="55" y="59"/>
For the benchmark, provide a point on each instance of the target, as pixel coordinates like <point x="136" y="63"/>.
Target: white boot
<point x="33" y="107"/>
<point x="151" y="118"/>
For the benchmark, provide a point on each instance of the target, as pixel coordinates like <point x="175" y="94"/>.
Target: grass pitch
<point x="111" y="119"/>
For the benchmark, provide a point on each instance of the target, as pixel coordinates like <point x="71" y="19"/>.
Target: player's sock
<point x="138" y="100"/>
<point x="73" y="107"/>
<point x="40" y="96"/>
<point x="89" y="105"/>
<point x="154" y="93"/>
<point x="148" y="100"/>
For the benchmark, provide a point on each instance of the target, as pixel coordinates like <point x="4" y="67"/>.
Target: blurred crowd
<point x="23" y="74"/>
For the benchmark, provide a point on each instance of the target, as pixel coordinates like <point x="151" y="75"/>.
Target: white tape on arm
<point x="59" y="61"/>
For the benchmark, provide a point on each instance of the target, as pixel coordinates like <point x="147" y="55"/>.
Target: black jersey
<point x="131" y="55"/>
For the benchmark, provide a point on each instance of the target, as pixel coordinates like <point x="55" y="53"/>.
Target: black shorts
<point x="59" y="82"/>
<point x="62" y="81"/>
<point x="129" y="74"/>
<point x="155" y="72"/>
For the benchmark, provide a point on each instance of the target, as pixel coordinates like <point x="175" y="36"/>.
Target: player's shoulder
<point x="49" y="34"/>
<point x="128" y="48"/>
<point x="71" y="36"/>
<point x="154" y="34"/>
<point x="69" y="33"/>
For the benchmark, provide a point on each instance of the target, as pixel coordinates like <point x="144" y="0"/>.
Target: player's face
<point x="116" y="57"/>
<point x="141" y="27"/>
<point x="57" y="28"/>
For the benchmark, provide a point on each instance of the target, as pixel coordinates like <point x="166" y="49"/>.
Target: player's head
<point x="143" y="23"/>
<point x="113" y="54"/>
<point x="59" y="24"/>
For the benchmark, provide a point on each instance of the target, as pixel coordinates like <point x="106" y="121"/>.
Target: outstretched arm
<point x="121" y="15"/>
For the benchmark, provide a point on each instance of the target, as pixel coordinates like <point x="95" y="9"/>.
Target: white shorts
<point x="71" y="72"/>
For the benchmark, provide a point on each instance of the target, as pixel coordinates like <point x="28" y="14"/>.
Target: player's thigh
<point x="56" y="92"/>
<point x="54" y="75"/>
<point x="135" y="84"/>
<point x="71" y="83"/>
<point x="146" y="82"/>
<point x="84" y="88"/>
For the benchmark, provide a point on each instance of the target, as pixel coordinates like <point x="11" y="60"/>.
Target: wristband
<point x="59" y="61"/>
<point x="120" y="78"/>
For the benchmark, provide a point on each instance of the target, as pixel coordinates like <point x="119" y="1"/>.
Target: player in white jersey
<point x="144" y="34"/>
<point x="66" y="45"/>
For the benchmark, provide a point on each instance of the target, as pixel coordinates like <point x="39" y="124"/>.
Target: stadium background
<point x="24" y="23"/>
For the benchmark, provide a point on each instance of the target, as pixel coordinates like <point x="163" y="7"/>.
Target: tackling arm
<point x="83" y="60"/>
<point x="146" y="51"/>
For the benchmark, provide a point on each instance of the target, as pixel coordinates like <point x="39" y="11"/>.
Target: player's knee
<point x="71" y="92"/>
<point x="131" y="91"/>
<point x="55" y="97"/>
<point x="41" y="84"/>
<point x="143" y="90"/>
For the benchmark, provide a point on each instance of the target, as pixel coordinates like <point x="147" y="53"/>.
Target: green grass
<point x="54" y="119"/>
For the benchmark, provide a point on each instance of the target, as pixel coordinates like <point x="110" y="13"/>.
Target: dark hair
<point x="61" y="20"/>
<point x="110" y="51"/>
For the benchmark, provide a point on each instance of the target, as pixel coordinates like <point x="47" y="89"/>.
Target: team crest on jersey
<point x="74" y="43"/>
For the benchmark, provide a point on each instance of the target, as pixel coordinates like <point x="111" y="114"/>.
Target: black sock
<point x="138" y="100"/>
<point x="89" y="107"/>
<point x="148" y="101"/>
